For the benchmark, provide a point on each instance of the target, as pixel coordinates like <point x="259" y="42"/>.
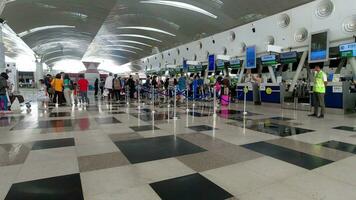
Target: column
<point x="352" y="62"/>
<point x="2" y="50"/>
<point x="39" y="73"/>
<point x="91" y="73"/>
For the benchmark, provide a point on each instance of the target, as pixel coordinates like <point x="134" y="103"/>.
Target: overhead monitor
<point x="191" y="68"/>
<point x="220" y="65"/>
<point x="251" y="57"/>
<point x="211" y="63"/>
<point x="235" y="64"/>
<point x="185" y="65"/>
<point x="269" y="60"/>
<point x="348" y="50"/>
<point x="288" y="57"/>
<point x="319" y="47"/>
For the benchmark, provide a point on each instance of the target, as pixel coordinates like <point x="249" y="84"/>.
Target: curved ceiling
<point x="126" y="30"/>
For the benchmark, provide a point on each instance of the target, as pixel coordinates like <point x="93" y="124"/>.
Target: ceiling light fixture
<point x="130" y="42"/>
<point x="122" y="45"/>
<point x="144" y="28"/>
<point x="22" y="34"/>
<point x="180" y="5"/>
<point x="133" y="35"/>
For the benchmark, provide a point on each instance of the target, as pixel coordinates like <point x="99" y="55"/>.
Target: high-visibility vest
<point x="319" y="85"/>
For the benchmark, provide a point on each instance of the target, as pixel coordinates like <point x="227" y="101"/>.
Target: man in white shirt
<point x="109" y="84"/>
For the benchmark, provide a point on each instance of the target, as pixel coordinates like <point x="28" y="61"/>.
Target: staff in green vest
<point x="319" y="88"/>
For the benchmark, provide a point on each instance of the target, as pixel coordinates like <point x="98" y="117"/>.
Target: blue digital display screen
<point x="288" y="55"/>
<point x="268" y="58"/>
<point x="211" y="63"/>
<point x="348" y="50"/>
<point x="235" y="62"/>
<point x="250" y="57"/>
<point x="220" y="63"/>
<point x="318" y="55"/>
<point x="185" y="65"/>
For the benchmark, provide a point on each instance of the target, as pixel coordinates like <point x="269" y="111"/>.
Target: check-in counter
<point x="253" y="93"/>
<point x="338" y="96"/>
<point x="270" y="92"/>
<point x="240" y="91"/>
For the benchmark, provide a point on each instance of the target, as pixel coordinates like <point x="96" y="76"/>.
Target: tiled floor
<point x="113" y="151"/>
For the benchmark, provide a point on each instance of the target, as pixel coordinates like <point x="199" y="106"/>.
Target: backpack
<point x="71" y="85"/>
<point x="117" y="84"/>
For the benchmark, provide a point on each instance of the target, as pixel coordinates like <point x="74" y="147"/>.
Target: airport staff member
<point x="320" y="82"/>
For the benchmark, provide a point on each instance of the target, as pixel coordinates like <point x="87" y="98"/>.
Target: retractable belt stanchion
<point x="187" y="99"/>
<point x="138" y="97"/>
<point x="127" y="96"/>
<point x="245" y="93"/>
<point x="175" y="103"/>
<point x="214" y="97"/>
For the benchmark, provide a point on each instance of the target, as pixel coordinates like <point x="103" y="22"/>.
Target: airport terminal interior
<point x="177" y="100"/>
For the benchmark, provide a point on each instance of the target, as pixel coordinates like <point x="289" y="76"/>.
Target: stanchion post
<point x="175" y="103"/>
<point x="214" y="97"/>
<point x="245" y="90"/>
<point x="138" y="96"/>
<point x="187" y="99"/>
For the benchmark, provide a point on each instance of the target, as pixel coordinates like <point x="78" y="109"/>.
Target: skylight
<point x="123" y="45"/>
<point x="147" y="29"/>
<point x="130" y="42"/>
<point x="134" y="35"/>
<point x="180" y="5"/>
<point x="22" y="34"/>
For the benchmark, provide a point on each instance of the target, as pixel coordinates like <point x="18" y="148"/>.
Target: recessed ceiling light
<point x="123" y="45"/>
<point x="22" y="34"/>
<point x="133" y="35"/>
<point x="130" y="42"/>
<point x="180" y="5"/>
<point x="147" y="29"/>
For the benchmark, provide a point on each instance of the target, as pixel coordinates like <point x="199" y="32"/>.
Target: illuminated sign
<point x="250" y="57"/>
<point x="235" y="64"/>
<point x="319" y="47"/>
<point x="288" y="57"/>
<point x="211" y="63"/>
<point x="348" y="50"/>
<point x="269" y="60"/>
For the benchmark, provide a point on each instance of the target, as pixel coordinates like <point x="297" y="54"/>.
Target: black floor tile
<point x="57" y="188"/>
<point x="278" y="129"/>
<point x="60" y="114"/>
<point x="342" y="146"/>
<point x="201" y="128"/>
<point x="144" y="128"/>
<point x="236" y="112"/>
<point x="346" y="128"/>
<point x="145" y="116"/>
<point x="48" y="144"/>
<point x="281" y="118"/>
<point x="288" y="155"/>
<point x="198" y="114"/>
<point x="149" y="149"/>
<point x="107" y="120"/>
<point x="194" y="186"/>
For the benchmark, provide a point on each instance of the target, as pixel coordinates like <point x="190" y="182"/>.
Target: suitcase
<point x="225" y="100"/>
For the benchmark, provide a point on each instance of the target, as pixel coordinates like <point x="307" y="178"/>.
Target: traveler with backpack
<point x="117" y="87"/>
<point x="68" y="89"/>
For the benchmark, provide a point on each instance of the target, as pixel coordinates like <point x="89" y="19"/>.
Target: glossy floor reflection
<point x="114" y="150"/>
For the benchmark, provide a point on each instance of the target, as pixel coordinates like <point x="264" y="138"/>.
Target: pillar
<point x="2" y="50"/>
<point x="38" y="73"/>
<point x="91" y="73"/>
<point x="353" y="66"/>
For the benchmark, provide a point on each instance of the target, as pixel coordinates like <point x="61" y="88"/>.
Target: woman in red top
<point x="83" y="89"/>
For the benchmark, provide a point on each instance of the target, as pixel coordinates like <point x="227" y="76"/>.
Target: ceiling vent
<point x="283" y="20"/>
<point x="301" y="35"/>
<point x="324" y="8"/>
<point x="270" y="40"/>
<point x="349" y="24"/>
